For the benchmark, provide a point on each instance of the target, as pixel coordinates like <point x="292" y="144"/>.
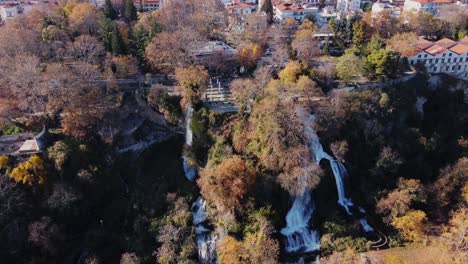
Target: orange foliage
<point x="30" y="172"/>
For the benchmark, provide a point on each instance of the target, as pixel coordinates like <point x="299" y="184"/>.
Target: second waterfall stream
<point x="300" y="238"/>
<point x="206" y="240"/>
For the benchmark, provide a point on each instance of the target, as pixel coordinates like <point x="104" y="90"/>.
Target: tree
<point x="349" y="66"/>
<point x="116" y="42"/>
<point x="88" y="49"/>
<point x="308" y="88"/>
<point x="249" y="55"/>
<point x="398" y="202"/>
<point x="130" y="12"/>
<point x="361" y="34"/>
<point x="63" y="198"/>
<point x="45" y="234"/>
<point x="258" y="246"/>
<point x="382" y="63"/>
<point x="194" y="80"/>
<point x="226" y="185"/>
<point x="175" y="233"/>
<point x="451" y="181"/>
<point x="129" y="258"/>
<point x="4" y="162"/>
<point x="411" y="225"/>
<point x="403" y="43"/>
<point x="456" y="232"/>
<point x="109" y="10"/>
<point x="59" y="153"/>
<point x="267" y="7"/>
<point x="31" y="172"/>
<point x="245" y="91"/>
<point x="169" y="50"/>
<point x="304" y="43"/>
<point x="339" y="149"/>
<point x="291" y="72"/>
<point x="83" y="18"/>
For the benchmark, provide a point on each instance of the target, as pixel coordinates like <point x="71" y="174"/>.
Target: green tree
<point x="109" y="10"/>
<point x="267" y="7"/>
<point x="130" y="11"/>
<point x="361" y="31"/>
<point x="382" y="63"/>
<point x="116" y="42"/>
<point x="349" y="66"/>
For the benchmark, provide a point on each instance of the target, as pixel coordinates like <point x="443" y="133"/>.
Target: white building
<point x="147" y="5"/>
<point x="425" y="6"/>
<point x="283" y="11"/>
<point x="241" y="8"/>
<point x="443" y="56"/>
<point x="8" y="11"/>
<point x="379" y="7"/>
<point x="327" y="13"/>
<point x="346" y="6"/>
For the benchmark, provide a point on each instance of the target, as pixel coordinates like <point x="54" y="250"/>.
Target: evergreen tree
<point x="109" y="10"/>
<point x="116" y="41"/>
<point x="267" y="7"/>
<point x="130" y="11"/>
<point x="326" y="48"/>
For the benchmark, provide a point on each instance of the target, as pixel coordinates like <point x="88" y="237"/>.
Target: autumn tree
<point x="249" y="55"/>
<point x="194" y="80"/>
<point x="169" y="50"/>
<point x="175" y="233"/>
<point x="88" y="48"/>
<point x="456" y="232"/>
<point x="257" y="247"/>
<point x="339" y="149"/>
<point x="449" y="185"/>
<point x="226" y="185"/>
<point x="83" y="18"/>
<point x="291" y="72"/>
<point x="304" y="43"/>
<point x="129" y="258"/>
<point x="31" y="172"/>
<point x="403" y="43"/>
<point x="411" y="225"/>
<point x="361" y="34"/>
<point x="398" y="202"/>
<point x="45" y="234"/>
<point x="59" y="153"/>
<point x="308" y="88"/>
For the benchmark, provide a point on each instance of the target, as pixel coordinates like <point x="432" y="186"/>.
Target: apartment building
<point x="284" y="10"/>
<point x="425" y="6"/>
<point x="346" y="6"/>
<point x="443" y="56"/>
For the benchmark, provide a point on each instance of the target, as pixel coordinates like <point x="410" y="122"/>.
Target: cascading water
<point x="299" y="238"/>
<point x="190" y="172"/>
<point x="338" y="169"/>
<point x="206" y="241"/>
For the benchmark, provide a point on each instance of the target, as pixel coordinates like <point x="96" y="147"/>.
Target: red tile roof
<point x="435" y="50"/>
<point x="459" y="48"/>
<point x="288" y="6"/>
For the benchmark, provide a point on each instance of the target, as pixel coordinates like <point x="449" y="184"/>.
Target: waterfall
<point x="339" y="171"/>
<point x="206" y="240"/>
<point x="190" y="172"/>
<point x="188" y="129"/>
<point x="298" y="236"/>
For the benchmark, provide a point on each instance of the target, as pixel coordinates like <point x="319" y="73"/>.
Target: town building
<point x="323" y="17"/>
<point x="443" y="56"/>
<point x="426" y="6"/>
<point x="147" y="5"/>
<point x="242" y="7"/>
<point x="11" y="9"/>
<point x="285" y="10"/>
<point x="346" y="6"/>
<point x="378" y="7"/>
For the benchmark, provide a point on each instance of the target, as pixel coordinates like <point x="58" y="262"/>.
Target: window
<point x="447" y="68"/>
<point x="459" y="67"/>
<point x="453" y="68"/>
<point x="419" y="56"/>
<point x="448" y="60"/>
<point x="443" y="60"/>
<point x="443" y="55"/>
<point x="437" y="61"/>
<point x="430" y="60"/>
<point x="425" y="55"/>
<point x="435" y="69"/>
<point x="450" y="54"/>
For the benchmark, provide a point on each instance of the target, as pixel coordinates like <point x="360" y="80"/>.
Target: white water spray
<point x="206" y="241"/>
<point x="299" y="238"/>
<point x="190" y="172"/>
<point x="339" y="171"/>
